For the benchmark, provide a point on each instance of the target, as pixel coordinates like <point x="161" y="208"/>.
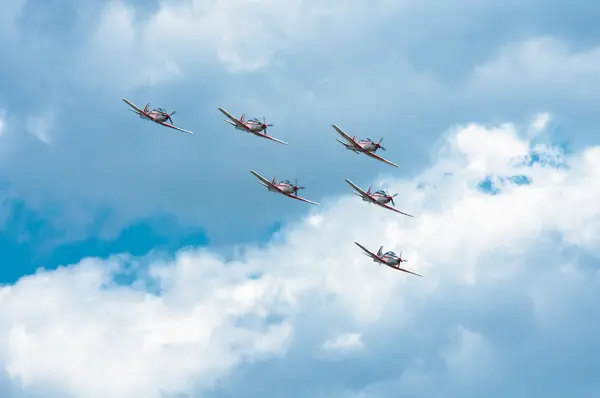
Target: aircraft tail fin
<point x="380" y="251"/>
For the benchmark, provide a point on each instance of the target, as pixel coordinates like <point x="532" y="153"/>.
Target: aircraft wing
<point x="233" y="118"/>
<point x="137" y="110"/>
<point x="302" y="199"/>
<point x="408" y="272"/>
<point x="393" y="209"/>
<point x="264" y="180"/>
<point x="360" y="191"/>
<point x="346" y="136"/>
<point x="173" y="127"/>
<point x="380" y="159"/>
<point x="271" y="138"/>
<point x="369" y="253"/>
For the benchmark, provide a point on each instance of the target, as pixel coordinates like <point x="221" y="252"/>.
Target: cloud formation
<point x="510" y="291"/>
<point x="401" y="70"/>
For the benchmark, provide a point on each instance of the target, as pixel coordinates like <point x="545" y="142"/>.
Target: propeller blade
<point x="400" y="259"/>
<point x="393" y="204"/>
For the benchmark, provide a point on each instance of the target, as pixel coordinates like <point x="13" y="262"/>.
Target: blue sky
<point x="459" y="91"/>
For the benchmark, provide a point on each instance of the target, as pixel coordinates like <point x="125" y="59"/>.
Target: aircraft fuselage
<point x="288" y="189"/>
<point x="389" y="260"/>
<point x="379" y="198"/>
<point x="367" y="146"/>
<point x="283" y="188"/>
<point x="252" y="127"/>
<point x="156" y="116"/>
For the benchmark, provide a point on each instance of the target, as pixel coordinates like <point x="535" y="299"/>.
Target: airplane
<point x="252" y="126"/>
<point x="366" y="146"/>
<point x="389" y="258"/>
<point x="156" y="115"/>
<point x="380" y="198"/>
<point x="284" y="187"/>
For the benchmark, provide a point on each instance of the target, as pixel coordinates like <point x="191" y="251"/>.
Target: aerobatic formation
<point x="254" y="126"/>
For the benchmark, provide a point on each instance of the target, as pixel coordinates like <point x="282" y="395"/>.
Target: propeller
<point x="400" y="259"/>
<point x="296" y="187"/>
<point x="169" y="117"/>
<point x="265" y="125"/>
<point x="391" y="198"/>
<point x="378" y="145"/>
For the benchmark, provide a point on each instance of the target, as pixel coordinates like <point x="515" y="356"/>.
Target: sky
<point x="140" y="261"/>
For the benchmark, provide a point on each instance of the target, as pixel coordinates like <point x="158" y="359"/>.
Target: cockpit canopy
<point x="255" y="120"/>
<point x="390" y="254"/>
<point x="288" y="182"/>
<point x="382" y="192"/>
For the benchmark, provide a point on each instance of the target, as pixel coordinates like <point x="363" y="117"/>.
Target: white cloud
<point x="41" y="127"/>
<point x="133" y="45"/>
<point x="179" y="37"/>
<point x="539" y="65"/>
<point x="347" y="341"/>
<point x="129" y="342"/>
<point x="541" y="121"/>
<point x="73" y="330"/>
